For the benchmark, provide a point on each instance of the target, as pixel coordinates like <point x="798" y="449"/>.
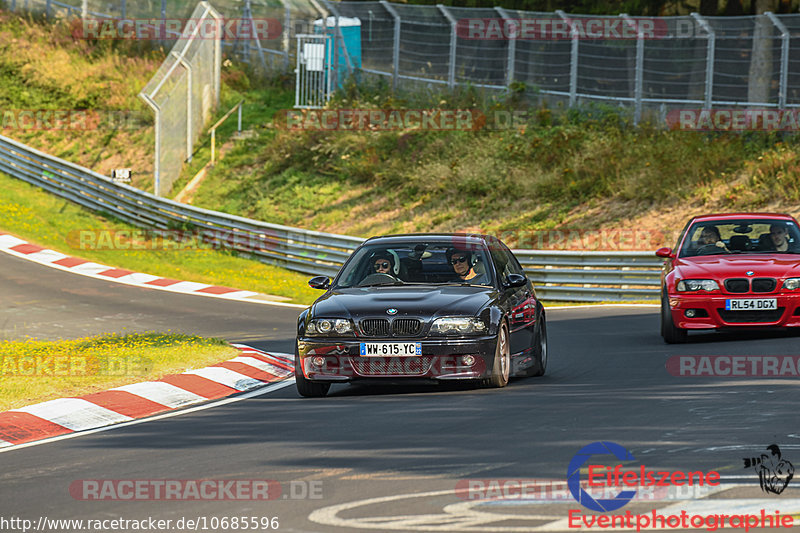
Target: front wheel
<point x="671" y="333"/>
<point x="502" y="359"/>
<point x="539" y="348"/>
<point x="306" y="388"/>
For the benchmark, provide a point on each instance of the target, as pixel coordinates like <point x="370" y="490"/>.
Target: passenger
<point x="382" y="263"/>
<point x="462" y="264"/>
<point x="779" y="236"/>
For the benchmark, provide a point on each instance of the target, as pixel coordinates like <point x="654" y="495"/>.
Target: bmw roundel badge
<point x="391" y="311"/>
<point x="749" y="272"/>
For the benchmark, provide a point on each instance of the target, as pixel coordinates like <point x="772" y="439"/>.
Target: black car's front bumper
<point x="442" y="359"/>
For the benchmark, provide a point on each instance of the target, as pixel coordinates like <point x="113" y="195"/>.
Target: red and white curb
<point x="250" y="370"/>
<point x="25" y="250"/>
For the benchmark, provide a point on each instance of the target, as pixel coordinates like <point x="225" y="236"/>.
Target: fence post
<point x="710" y="52"/>
<point x="123" y="9"/>
<point x="451" y="71"/>
<point x="157" y="163"/>
<point x="396" y="50"/>
<point x="639" y="70"/>
<point x="47" y="8"/>
<point x="286" y="39"/>
<point x="512" y="45"/>
<point x="84" y="9"/>
<point x="784" y="78"/>
<point x="573" y="62"/>
<point x="188" y="67"/>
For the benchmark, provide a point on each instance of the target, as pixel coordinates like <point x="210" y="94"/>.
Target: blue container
<point x="351" y="36"/>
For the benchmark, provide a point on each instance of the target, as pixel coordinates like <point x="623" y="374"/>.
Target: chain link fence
<point x="684" y="62"/>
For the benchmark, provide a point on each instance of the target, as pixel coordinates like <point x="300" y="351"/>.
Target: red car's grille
<point x="764" y="284"/>
<point x="742" y="317"/>
<point x="737" y="285"/>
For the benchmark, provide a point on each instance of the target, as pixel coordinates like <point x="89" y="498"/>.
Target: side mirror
<point x="515" y="280"/>
<point x="320" y="282"/>
<point x="664" y="252"/>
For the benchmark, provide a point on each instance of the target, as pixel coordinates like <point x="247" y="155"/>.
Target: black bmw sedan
<point x="430" y="307"/>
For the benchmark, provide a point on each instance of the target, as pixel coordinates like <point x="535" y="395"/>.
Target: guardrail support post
<point x="396" y="48"/>
<point x="451" y="70"/>
<point x="784" y="77"/>
<point x="512" y="45"/>
<point x="710" y="53"/>
<point x="573" y="62"/>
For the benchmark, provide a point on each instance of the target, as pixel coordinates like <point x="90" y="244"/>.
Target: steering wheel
<point x="710" y="249"/>
<point x="378" y="278"/>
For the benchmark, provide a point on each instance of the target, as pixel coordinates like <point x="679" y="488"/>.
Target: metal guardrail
<point x="558" y="275"/>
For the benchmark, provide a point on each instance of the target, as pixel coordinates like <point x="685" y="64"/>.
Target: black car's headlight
<point x="329" y="327"/>
<point x="457" y="325"/>
<point x="791" y="284"/>
<point x="691" y="285"/>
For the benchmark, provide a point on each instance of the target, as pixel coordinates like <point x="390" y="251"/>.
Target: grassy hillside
<point x="587" y="168"/>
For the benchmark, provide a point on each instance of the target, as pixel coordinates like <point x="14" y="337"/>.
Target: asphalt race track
<point x="367" y="459"/>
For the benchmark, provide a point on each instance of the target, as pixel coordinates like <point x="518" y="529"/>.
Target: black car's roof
<point x="455" y="238"/>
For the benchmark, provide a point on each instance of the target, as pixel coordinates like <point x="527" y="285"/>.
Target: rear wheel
<point x="539" y="348"/>
<point x="306" y="388"/>
<point x="671" y="333"/>
<point x="502" y="360"/>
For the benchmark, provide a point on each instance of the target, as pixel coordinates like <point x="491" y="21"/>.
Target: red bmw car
<point x="733" y="270"/>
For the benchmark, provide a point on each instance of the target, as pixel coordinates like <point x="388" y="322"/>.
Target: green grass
<point x="37" y="371"/>
<point x="35" y="215"/>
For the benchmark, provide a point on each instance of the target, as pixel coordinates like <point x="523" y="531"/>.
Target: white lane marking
<point x="3" y="444"/>
<point x="46" y="256"/>
<point x="227" y="377"/>
<point x="162" y="393"/>
<point x="272" y="387"/>
<point x="262" y="365"/>
<point x="137" y="278"/>
<point x="74" y="413"/>
<point x="188" y="286"/>
<point x="238" y="294"/>
<point x="90" y="270"/>
<point x="9" y="241"/>
<point x="590" y="306"/>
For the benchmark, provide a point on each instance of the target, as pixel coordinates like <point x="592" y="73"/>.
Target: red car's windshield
<point x="741" y="236"/>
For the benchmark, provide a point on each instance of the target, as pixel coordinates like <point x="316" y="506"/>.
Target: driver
<point x="711" y="241"/>
<point x="462" y="264"/>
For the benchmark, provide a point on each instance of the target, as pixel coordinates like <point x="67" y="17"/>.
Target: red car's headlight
<point x="692" y="285"/>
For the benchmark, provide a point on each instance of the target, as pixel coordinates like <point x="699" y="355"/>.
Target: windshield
<point x="752" y="236"/>
<point x="422" y="262"/>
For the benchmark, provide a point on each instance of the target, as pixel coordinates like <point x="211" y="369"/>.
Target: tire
<point x="671" y="333"/>
<point x="306" y="388"/>
<point x="539" y="348"/>
<point x="501" y="367"/>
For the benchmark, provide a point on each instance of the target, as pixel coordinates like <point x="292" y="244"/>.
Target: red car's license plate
<point x="751" y="304"/>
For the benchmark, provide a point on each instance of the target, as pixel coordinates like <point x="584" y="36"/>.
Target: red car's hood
<point x="736" y="266"/>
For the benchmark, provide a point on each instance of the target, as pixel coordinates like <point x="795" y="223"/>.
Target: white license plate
<point x="390" y="349"/>
<point x="751" y="304"/>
